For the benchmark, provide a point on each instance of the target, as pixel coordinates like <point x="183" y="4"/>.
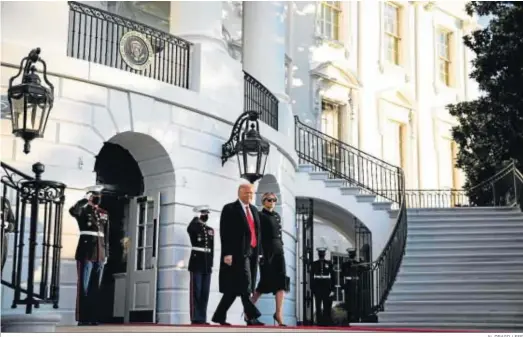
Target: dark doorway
<point x="119" y="173"/>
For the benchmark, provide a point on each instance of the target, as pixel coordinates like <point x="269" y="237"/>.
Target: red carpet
<point x="338" y="328"/>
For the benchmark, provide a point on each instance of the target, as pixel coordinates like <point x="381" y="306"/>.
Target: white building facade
<point x="375" y="75"/>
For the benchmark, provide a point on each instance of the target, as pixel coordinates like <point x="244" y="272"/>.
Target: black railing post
<point x="38" y="169"/>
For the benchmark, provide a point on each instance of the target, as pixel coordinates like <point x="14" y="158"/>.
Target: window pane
<point x="328" y="30"/>
<point x="139" y="259"/>
<point x="152" y="13"/>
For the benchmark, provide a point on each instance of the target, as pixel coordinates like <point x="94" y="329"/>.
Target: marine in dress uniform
<point x="322" y="287"/>
<point x="349" y="273"/>
<point x="91" y="254"/>
<point x="200" y="264"/>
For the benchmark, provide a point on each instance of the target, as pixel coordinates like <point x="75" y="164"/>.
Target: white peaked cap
<point x="201" y="209"/>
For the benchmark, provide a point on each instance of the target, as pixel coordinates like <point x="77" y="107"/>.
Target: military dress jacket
<point x="323" y="277"/>
<point x="202" y="241"/>
<point x="93" y="222"/>
<point x="349" y="272"/>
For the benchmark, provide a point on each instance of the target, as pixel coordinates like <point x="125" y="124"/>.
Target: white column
<point x="214" y="73"/>
<point x="32" y="24"/>
<point x="263" y="36"/>
<point x="427" y="156"/>
<point x="264" y="43"/>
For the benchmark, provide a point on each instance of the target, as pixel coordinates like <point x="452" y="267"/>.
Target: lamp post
<point x="30" y="102"/>
<point x="250" y="147"/>
<point x="39" y="204"/>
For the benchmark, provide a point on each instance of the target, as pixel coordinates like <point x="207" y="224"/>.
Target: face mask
<point x="204" y="217"/>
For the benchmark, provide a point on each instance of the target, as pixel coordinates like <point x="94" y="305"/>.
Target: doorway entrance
<point x="119" y="173"/>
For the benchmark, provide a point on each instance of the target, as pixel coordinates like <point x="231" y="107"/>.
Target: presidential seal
<point x="136" y="50"/>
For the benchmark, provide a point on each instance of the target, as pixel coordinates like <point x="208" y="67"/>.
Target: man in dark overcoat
<point x="240" y="237"/>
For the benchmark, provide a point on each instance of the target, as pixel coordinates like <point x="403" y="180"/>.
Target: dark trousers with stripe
<point x="88" y="289"/>
<point x="199" y="296"/>
<point x="323" y="309"/>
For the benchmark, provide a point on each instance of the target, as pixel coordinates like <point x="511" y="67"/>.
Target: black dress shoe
<point x="254" y="322"/>
<point x="221" y="322"/>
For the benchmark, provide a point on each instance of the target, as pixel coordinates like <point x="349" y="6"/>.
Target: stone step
<point x="451" y="294"/>
<point x="318" y="175"/>
<point x="350" y="190"/>
<point x="470" y="248"/>
<point x="336" y="183"/>
<point x="486" y="242"/>
<point x="471" y="266"/>
<point x="305" y="168"/>
<point x="451" y="316"/>
<point x="457" y="285"/>
<point x="365" y="197"/>
<point x="381" y="205"/>
<point x="448" y="257"/>
<point x="459" y="227"/>
<point x="461" y="210"/>
<point x="457" y="275"/>
<point x="470" y="235"/>
<point x="479" y="326"/>
<point x="454" y="305"/>
<point x="464" y="220"/>
<point x="446" y="316"/>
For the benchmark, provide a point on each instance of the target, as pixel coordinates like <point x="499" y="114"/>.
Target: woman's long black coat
<point x="235" y="239"/>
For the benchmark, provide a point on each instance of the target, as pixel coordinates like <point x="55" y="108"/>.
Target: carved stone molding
<point x="429" y="5"/>
<point x="238" y="7"/>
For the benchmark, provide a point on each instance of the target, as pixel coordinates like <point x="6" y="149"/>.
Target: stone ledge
<point x="27" y="323"/>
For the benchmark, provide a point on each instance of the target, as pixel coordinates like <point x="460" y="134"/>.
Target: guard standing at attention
<point x="91" y="254"/>
<point x="323" y="287"/>
<point x="349" y="273"/>
<point x="200" y="264"/>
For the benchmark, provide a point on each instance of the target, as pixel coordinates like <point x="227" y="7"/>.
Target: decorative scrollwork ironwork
<point x="38" y="206"/>
<point x="229" y="148"/>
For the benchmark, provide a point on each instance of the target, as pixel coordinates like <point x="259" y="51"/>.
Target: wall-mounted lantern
<point x="30" y="102"/>
<point x="250" y="147"/>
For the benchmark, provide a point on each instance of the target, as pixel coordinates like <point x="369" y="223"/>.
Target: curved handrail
<point x="372" y="174"/>
<point x="344" y="161"/>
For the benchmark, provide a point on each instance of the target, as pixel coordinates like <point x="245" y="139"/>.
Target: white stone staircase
<point x="378" y="216"/>
<point x="462" y="268"/>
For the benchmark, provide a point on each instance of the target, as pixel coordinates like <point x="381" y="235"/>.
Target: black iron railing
<point x="343" y="161"/>
<point x="32" y="211"/>
<point x="102" y="37"/>
<point x="258" y="98"/>
<point x="503" y="188"/>
<point x="433" y="198"/>
<point x="373" y="176"/>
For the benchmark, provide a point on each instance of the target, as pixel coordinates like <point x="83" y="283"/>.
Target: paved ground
<point x="189" y="328"/>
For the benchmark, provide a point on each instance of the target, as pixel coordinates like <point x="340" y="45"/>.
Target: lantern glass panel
<point x="263" y="162"/>
<point x="17" y="112"/>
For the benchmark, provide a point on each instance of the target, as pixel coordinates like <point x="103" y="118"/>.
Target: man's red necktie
<point x="250" y="220"/>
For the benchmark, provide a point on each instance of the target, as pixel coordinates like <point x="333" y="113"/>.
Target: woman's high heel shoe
<point x="277" y="321"/>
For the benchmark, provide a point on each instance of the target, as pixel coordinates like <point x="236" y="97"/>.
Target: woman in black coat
<point x="273" y="276"/>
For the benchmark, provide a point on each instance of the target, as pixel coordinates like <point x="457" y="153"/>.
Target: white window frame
<point x="394" y="35"/>
<point x="326" y="26"/>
